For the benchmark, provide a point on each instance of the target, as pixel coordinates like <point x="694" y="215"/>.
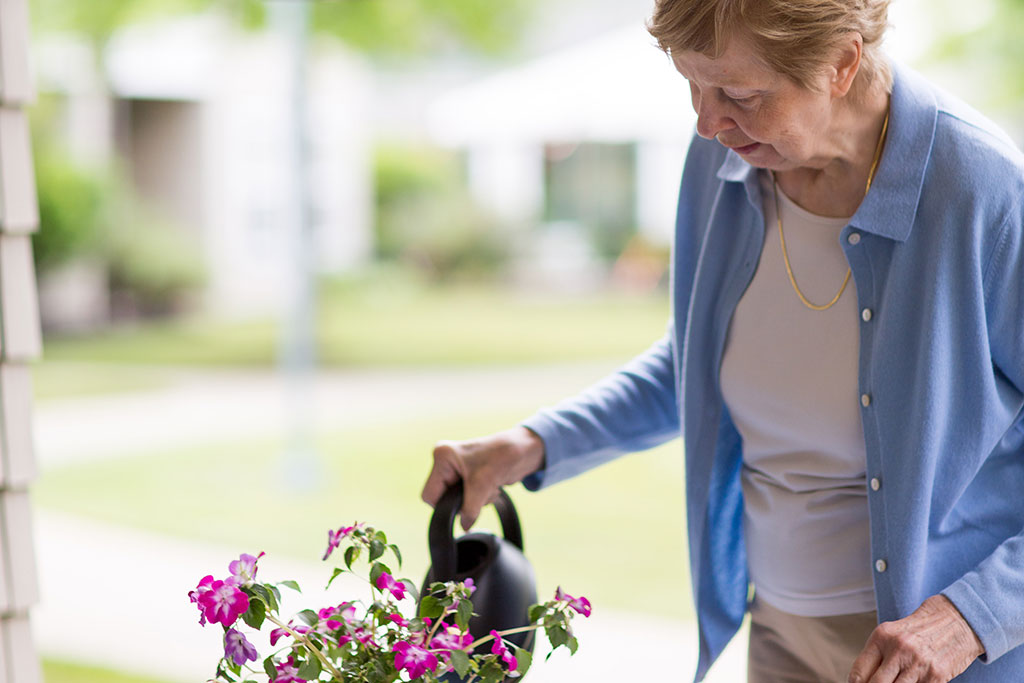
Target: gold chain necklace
<point x="782" y="236"/>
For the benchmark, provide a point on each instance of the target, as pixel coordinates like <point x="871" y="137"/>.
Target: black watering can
<point x="505" y="584"/>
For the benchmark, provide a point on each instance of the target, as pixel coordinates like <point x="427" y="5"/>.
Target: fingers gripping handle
<point x="441" y="538"/>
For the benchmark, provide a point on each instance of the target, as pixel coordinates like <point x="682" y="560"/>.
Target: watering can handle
<point x="441" y="537"/>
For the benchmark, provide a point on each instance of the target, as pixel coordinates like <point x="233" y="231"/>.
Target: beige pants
<point x="789" y="649"/>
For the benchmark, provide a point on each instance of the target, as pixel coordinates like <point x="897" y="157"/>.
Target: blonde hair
<point x="796" y="38"/>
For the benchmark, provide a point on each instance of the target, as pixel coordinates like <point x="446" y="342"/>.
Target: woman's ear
<point x="846" y="64"/>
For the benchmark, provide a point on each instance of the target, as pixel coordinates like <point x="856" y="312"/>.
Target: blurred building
<point x="196" y="111"/>
<point x="588" y="142"/>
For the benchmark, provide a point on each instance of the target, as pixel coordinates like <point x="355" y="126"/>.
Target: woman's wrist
<point x="530" y="449"/>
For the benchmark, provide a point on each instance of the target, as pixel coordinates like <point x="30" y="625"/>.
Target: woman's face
<point x="765" y="117"/>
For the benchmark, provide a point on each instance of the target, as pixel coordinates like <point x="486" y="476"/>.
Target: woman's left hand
<point x="932" y="645"/>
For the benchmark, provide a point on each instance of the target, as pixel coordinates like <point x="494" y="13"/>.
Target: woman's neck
<point x="837" y="185"/>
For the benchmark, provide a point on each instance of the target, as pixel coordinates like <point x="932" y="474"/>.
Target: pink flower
<point x="238" y="649"/>
<point x="452" y="638"/>
<point x="330" y="617"/>
<point x="414" y="659"/>
<point x="356" y="632"/>
<point x="243" y="570"/>
<point x="580" y="604"/>
<point x="223" y="603"/>
<point x="334" y="538"/>
<point x="287" y="672"/>
<point x="203" y="587"/>
<point x="498" y="648"/>
<point x="326" y="615"/>
<point x="279" y="633"/>
<point x="387" y="582"/>
<point x="398" y="619"/>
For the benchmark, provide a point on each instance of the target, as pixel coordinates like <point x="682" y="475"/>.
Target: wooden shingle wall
<point x="20" y="343"/>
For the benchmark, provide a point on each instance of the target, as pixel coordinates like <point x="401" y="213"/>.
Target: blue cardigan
<point x="937" y="253"/>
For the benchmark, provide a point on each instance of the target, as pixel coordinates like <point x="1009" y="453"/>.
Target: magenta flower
<point x="333" y="541"/>
<point x="580" y="604"/>
<point x="279" y="633"/>
<point x="451" y="638"/>
<point x="238" y="649"/>
<point x="287" y="672"/>
<point x="203" y="587"/>
<point x="498" y="648"/>
<point x="326" y="615"/>
<point x="357" y="632"/>
<point x="223" y="603"/>
<point x="414" y="659"/>
<point x="334" y="538"/>
<point x="243" y="570"/>
<point x="398" y="619"/>
<point x="387" y="582"/>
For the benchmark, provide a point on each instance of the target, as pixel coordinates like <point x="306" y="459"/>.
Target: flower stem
<point x="521" y="629"/>
<point x="309" y="646"/>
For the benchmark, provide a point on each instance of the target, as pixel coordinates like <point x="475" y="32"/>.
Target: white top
<point x="789" y="379"/>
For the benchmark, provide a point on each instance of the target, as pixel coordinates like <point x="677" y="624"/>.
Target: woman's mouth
<point x="747" y="149"/>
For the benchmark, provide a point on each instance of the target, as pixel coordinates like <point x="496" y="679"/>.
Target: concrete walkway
<point x="118" y="597"/>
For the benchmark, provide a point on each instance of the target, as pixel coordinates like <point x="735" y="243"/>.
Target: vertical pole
<point x="297" y="352"/>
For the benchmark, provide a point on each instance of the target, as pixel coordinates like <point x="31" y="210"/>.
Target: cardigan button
<point x="875" y="483"/>
<point x="865" y="400"/>
<point x="881" y="566"/>
<point x="853" y="238"/>
<point x="866" y="314"/>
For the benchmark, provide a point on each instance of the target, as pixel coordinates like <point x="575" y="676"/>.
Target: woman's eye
<point x="748" y="99"/>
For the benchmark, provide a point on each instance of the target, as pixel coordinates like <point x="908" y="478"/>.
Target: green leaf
<point x="268" y="597"/>
<point x="463" y="614"/>
<point x="492" y="673"/>
<point x="524" y="659"/>
<point x="376" y="549"/>
<point x="382" y="537"/>
<point x="310" y="669"/>
<point x="268" y="666"/>
<point x="537" y="613"/>
<point x="558" y="636"/>
<point x="398" y="554"/>
<point x="291" y="584"/>
<point x="351" y="555"/>
<point x="431" y="607"/>
<point x="255" y="615"/>
<point x="222" y="672"/>
<point x="338" y="571"/>
<point x="460" y="660"/>
<point x="309" y="617"/>
<point x="573" y="644"/>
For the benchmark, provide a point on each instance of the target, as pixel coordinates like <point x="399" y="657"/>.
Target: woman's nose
<point x="711" y="118"/>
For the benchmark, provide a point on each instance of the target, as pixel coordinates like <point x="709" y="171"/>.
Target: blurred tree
<point x="391" y="27"/>
<point x="98" y="19"/>
<point x="990" y="53"/>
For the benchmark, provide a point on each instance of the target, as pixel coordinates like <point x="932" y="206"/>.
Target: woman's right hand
<point x="484" y="465"/>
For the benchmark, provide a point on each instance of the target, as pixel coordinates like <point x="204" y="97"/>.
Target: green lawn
<point x="396" y="324"/>
<point x="615" y="535"/>
<point x="65" y="672"/>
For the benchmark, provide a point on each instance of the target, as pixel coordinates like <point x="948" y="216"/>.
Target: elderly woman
<point x="845" y="362"/>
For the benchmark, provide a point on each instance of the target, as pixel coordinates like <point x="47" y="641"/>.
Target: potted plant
<point x="373" y="641"/>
